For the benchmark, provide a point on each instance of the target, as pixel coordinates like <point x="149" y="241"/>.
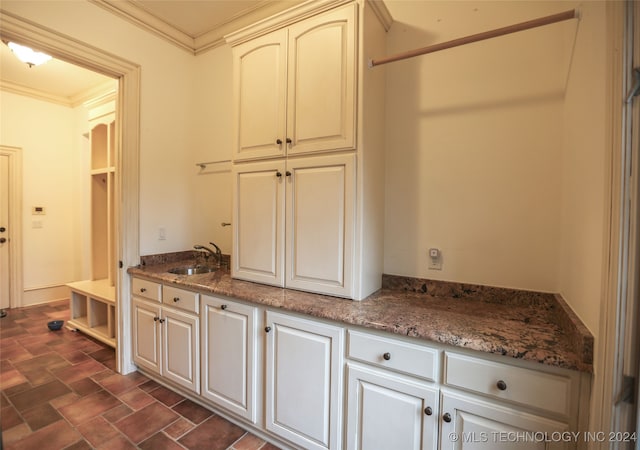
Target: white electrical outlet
<point x="435" y="259"/>
<point x="162" y="234"/>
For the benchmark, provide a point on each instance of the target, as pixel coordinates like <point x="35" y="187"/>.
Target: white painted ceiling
<point x="196" y="18"/>
<point x="188" y="20"/>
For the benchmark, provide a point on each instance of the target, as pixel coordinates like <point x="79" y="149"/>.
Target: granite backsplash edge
<point x="578" y="334"/>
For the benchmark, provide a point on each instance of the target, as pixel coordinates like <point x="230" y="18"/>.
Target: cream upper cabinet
<point x="260" y="83"/>
<point x="320" y="210"/>
<point x="294" y="223"/>
<point x="321" y="83"/>
<point x="302" y="90"/>
<point x="294" y="88"/>
<point x="258" y="217"/>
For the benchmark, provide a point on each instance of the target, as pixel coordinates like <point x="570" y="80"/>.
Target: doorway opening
<point x="126" y="135"/>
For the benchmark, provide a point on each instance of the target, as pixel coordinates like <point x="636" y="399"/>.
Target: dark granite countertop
<point x="531" y="326"/>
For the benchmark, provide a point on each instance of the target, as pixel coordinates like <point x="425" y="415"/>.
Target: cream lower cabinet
<point x="166" y="339"/>
<point x="501" y="406"/>
<point x="392" y="400"/>
<point x="390" y="411"/>
<point x="399" y="397"/>
<point x="304" y="377"/>
<point x="294" y="223"/>
<point x="475" y="424"/>
<point x="229" y="366"/>
<point x="320" y="386"/>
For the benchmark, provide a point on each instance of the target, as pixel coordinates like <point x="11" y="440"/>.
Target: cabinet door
<point x="304" y="381"/>
<point x="472" y="424"/>
<point x="258" y="234"/>
<point x="259" y="97"/>
<point x="229" y="355"/>
<point x="321" y="82"/>
<point x="181" y="354"/>
<point x="320" y="224"/>
<point x="385" y="410"/>
<point x="146" y="335"/>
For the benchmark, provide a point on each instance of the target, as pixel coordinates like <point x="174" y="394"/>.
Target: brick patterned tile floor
<point x="59" y="390"/>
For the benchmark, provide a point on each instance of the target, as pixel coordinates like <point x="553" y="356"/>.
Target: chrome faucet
<point x="217" y="253"/>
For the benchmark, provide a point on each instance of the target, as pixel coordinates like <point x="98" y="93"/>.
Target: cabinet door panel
<point x="480" y="425"/>
<point x="388" y="411"/>
<point x="320" y="212"/>
<point x="146" y="335"/>
<point x="181" y="349"/>
<point x="260" y="97"/>
<point x="304" y="373"/>
<point x="258" y="192"/>
<point x="229" y="353"/>
<point x="321" y="92"/>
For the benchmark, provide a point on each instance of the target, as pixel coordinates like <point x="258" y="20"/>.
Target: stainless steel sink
<point x="192" y="270"/>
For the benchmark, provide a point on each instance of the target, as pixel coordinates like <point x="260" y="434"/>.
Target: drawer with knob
<point x="528" y="387"/>
<point x="146" y="289"/>
<point x="401" y="356"/>
<point x="181" y="298"/>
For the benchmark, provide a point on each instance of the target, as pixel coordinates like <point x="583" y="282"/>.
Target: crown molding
<point x="70" y="101"/>
<point x="132" y="13"/>
<point x="382" y="13"/>
<point x="217" y="37"/>
<point x="282" y="19"/>
<point x="18" y="89"/>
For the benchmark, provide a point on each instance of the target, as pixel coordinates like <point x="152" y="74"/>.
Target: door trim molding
<point x="605" y="384"/>
<point x="15" y="224"/>
<point x="128" y="74"/>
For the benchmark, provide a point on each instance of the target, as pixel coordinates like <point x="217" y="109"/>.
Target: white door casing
<point x="11" y="250"/>
<point x="5" y="242"/>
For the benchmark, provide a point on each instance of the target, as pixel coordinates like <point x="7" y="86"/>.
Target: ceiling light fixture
<point x="28" y="55"/>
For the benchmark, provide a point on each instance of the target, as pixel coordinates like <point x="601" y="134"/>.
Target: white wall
<point x="52" y="162"/>
<point x="211" y="201"/>
<point x="474" y="144"/>
<point x="583" y="162"/>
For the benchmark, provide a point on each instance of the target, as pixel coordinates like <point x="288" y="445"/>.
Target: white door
<point x="320" y="198"/>
<point x="321" y="82"/>
<point x="259" y="77"/>
<point x="258" y="217"/>
<point x="304" y="371"/>
<point x="472" y="424"/>
<point x="229" y="368"/>
<point x="181" y="349"/>
<point x="146" y="335"/>
<point x="5" y="269"/>
<point x="388" y="411"/>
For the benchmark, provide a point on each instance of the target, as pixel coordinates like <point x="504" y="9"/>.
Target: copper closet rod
<point x="567" y="15"/>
